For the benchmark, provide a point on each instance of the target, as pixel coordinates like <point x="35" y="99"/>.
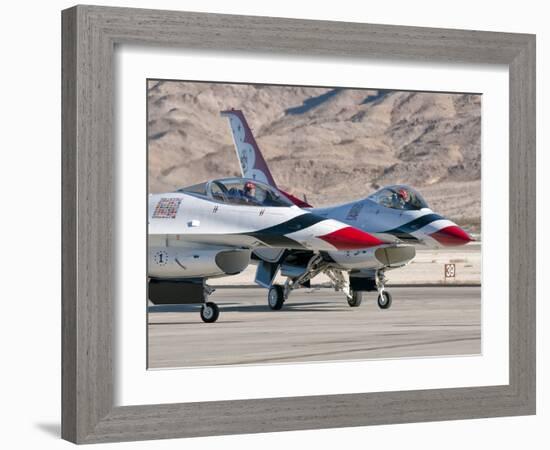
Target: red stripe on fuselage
<point x="350" y="238"/>
<point x="451" y="236"/>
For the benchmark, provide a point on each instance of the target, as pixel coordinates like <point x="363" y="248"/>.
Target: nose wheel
<point x="384" y="300"/>
<point x="210" y="312"/>
<point x="384" y="297"/>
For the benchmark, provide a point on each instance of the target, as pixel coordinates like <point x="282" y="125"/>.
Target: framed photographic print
<point x="265" y="229"/>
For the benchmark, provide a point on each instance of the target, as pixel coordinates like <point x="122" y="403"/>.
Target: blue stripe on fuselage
<point x="404" y="231"/>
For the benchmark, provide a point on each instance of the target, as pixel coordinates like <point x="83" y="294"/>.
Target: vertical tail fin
<point x="251" y="160"/>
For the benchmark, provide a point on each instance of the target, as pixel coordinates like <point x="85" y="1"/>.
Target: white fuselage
<point x="406" y="226"/>
<point x="190" y="236"/>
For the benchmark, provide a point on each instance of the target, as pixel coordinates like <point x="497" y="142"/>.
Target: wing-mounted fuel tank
<point x="189" y="262"/>
<point x="374" y="258"/>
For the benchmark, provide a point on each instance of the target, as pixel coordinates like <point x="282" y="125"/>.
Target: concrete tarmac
<point x="316" y="325"/>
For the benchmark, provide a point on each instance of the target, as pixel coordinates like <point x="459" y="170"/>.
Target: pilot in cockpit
<point x="400" y="199"/>
<point x="404" y="198"/>
<point x="250" y="192"/>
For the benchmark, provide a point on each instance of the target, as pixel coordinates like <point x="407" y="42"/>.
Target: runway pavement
<point x="316" y="325"/>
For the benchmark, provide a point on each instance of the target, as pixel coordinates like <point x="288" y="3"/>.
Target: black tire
<point x="275" y="297"/>
<point x="384" y="300"/>
<point x="356" y="299"/>
<point x="210" y="312"/>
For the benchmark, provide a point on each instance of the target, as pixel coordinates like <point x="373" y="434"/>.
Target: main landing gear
<point x="278" y="294"/>
<point x="276" y="297"/>
<point x="355" y="299"/>
<point x="352" y="287"/>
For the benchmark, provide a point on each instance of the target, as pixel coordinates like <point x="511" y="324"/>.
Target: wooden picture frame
<point x="90" y="34"/>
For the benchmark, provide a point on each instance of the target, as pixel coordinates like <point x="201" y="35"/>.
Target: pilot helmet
<point x="404" y="194"/>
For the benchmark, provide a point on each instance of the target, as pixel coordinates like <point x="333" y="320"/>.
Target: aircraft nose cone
<point x="349" y="238"/>
<point x="452" y="236"/>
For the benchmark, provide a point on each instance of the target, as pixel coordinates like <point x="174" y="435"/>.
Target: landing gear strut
<point x="341" y="283"/>
<point x="278" y="294"/>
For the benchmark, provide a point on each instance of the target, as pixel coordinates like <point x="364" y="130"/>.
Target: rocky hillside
<point x="330" y="145"/>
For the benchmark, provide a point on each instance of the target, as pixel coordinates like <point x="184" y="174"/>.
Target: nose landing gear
<point x="384" y="297"/>
<point x="209" y="310"/>
<point x="184" y="292"/>
<point x="384" y="300"/>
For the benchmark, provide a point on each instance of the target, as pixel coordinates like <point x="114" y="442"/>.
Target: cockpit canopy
<point x="239" y="191"/>
<point x="399" y="197"/>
